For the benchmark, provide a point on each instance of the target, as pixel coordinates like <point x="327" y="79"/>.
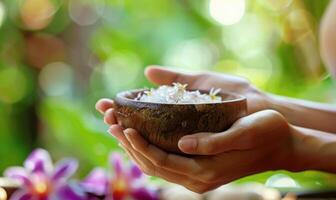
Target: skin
<point x="278" y="133"/>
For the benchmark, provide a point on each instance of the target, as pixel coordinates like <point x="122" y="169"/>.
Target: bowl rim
<point x="121" y="96"/>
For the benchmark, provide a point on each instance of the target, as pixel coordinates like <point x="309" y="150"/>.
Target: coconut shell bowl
<point x="163" y="124"/>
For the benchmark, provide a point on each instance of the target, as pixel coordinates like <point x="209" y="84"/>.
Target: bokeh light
<point x="257" y="68"/>
<point x="13" y="85"/>
<point x="194" y="54"/>
<point x="43" y="49"/>
<point x="309" y="54"/>
<point x="37" y="14"/>
<point x="227" y="12"/>
<point x="2" y="13"/>
<point x="276" y="5"/>
<point x="227" y="66"/>
<point x="121" y="71"/>
<point x="281" y="181"/>
<point x="259" y="32"/>
<point x="56" y="79"/>
<point x="85" y="13"/>
<point x="298" y="30"/>
<point x="299" y="19"/>
<point x="297" y="23"/>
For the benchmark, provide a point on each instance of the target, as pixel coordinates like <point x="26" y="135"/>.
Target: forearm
<point x="305" y="114"/>
<point x="313" y="150"/>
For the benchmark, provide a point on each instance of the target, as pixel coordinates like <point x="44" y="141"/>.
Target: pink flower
<point x="123" y="184"/>
<point x="41" y="181"/>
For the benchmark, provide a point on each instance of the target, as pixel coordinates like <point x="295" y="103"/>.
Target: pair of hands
<point x="259" y="142"/>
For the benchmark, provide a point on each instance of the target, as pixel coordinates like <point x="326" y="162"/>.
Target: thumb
<point x="162" y="76"/>
<point x="201" y="144"/>
<point x="246" y="133"/>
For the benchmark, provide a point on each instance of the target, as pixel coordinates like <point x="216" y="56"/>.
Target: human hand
<point x="256" y="100"/>
<point x="256" y="143"/>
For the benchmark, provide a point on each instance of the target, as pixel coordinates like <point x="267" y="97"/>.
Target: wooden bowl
<point x="163" y="124"/>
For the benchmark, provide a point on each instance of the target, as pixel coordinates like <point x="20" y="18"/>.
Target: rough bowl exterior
<point x="164" y="124"/>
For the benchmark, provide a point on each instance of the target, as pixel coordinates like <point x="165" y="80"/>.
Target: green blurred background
<point x="58" y="57"/>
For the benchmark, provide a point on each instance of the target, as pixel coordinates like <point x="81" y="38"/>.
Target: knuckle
<point x="278" y="117"/>
<point x="273" y="113"/>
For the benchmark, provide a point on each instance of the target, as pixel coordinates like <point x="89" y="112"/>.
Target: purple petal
<point x="96" y="182"/>
<point x="64" y="169"/>
<point x="21" y="195"/>
<point x="72" y="191"/>
<point x="20" y="174"/>
<point x="116" y="162"/>
<point x="39" y="161"/>
<point x="135" y="172"/>
<point x="143" y="193"/>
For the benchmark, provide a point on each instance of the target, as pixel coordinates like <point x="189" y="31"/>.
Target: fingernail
<point x="188" y="144"/>
<point x="111" y="132"/>
<point x="100" y="111"/>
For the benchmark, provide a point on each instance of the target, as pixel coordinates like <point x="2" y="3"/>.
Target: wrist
<point x="275" y="102"/>
<point x="312" y="150"/>
<point x="264" y="101"/>
<point x="284" y="106"/>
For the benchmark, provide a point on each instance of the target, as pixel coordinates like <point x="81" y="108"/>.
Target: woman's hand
<point x="259" y="142"/>
<point x="297" y="112"/>
<point x="256" y="100"/>
<point x="256" y="143"/>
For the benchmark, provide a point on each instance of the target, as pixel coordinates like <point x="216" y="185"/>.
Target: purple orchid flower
<point x="41" y="181"/>
<point x="124" y="183"/>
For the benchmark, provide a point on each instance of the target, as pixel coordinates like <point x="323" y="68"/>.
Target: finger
<point x="148" y="168"/>
<point x="246" y="133"/>
<point x="238" y="163"/>
<point x="162" y="76"/>
<point x="159" y="157"/>
<point x="250" y="163"/>
<point x="117" y="132"/>
<point x="109" y="117"/>
<point x="130" y="154"/>
<point x="188" y="180"/>
<point x="104" y="104"/>
<point x="192" y="144"/>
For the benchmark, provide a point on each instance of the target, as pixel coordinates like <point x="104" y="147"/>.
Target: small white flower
<point x="178" y="94"/>
<point x="149" y="92"/>
<point x="213" y="93"/>
<point x="180" y="86"/>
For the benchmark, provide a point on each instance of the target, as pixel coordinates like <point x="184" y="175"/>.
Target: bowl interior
<point x="226" y="96"/>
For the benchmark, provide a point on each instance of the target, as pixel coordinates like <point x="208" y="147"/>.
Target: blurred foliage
<point x="58" y="57"/>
